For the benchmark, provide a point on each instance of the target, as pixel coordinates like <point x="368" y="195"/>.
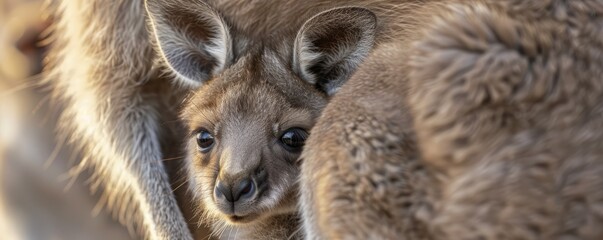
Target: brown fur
<point x="119" y="109"/>
<point x="101" y="67"/>
<point x="486" y="127"/>
<point x="361" y="174"/>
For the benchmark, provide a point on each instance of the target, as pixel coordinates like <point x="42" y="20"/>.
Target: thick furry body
<point x="483" y="123"/>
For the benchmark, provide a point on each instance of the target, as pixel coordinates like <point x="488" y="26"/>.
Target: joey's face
<point x="253" y="101"/>
<point x="247" y="130"/>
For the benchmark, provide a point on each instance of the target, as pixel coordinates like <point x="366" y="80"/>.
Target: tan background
<point x="38" y="200"/>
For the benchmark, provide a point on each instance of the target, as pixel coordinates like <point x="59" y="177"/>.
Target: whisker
<point x="237" y="234"/>
<point x="172" y="158"/>
<point x="230" y="233"/>
<point x="179" y="186"/>
<point x="223" y="230"/>
<point x="294" y="233"/>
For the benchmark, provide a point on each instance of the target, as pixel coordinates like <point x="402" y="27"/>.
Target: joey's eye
<point x="293" y="139"/>
<point x="205" y="140"/>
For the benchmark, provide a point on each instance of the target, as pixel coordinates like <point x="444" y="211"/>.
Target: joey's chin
<point x="241" y="212"/>
<point x="239" y="217"/>
<point x="248" y="213"/>
<point x="237" y="220"/>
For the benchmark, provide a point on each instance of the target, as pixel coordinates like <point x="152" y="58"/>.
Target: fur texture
<point x="538" y="128"/>
<point x="120" y="107"/>
<point x="103" y="78"/>
<point x="482" y="123"/>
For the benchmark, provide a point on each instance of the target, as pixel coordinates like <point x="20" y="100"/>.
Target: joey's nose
<point x="242" y="189"/>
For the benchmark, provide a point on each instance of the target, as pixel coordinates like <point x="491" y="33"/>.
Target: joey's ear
<point x="192" y="38"/>
<point x="330" y="46"/>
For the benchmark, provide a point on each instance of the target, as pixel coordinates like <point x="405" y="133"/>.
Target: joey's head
<point x="253" y="102"/>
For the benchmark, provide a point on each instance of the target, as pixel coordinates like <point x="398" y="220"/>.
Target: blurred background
<point x="39" y="198"/>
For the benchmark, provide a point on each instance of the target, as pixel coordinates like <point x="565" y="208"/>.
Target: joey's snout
<point x="236" y="195"/>
<point x="233" y="192"/>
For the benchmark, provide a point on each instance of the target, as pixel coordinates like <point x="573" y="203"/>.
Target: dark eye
<point x="293" y="139"/>
<point x="205" y="140"/>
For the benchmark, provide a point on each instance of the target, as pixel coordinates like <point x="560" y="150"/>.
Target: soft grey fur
<point x="101" y="65"/>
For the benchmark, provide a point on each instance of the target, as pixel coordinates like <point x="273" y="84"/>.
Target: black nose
<point x="242" y="189"/>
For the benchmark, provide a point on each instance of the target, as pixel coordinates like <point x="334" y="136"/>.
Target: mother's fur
<point x="483" y="123"/>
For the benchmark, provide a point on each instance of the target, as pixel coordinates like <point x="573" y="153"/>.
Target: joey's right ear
<point x="332" y="44"/>
<point x="193" y="39"/>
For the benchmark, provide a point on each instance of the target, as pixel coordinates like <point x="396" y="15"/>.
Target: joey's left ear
<point x="193" y="39"/>
<point x="330" y="46"/>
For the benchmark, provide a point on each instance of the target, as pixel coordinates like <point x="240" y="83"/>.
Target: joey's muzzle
<point x="237" y="195"/>
<point x="241" y="190"/>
